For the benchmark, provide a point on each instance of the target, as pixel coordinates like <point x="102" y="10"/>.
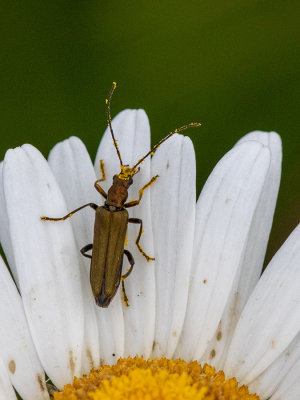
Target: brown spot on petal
<point x="157" y="348"/>
<point x="212" y="354"/>
<point x="12" y="366"/>
<point x="219" y="335"/>
<point x="41" y="383"/>
<point x="273" y="343"/>
<point x="90" y="358"/>
<point x="174" y="333"/>
<point x="72" y="363"/>
<point x="204" y="281"/>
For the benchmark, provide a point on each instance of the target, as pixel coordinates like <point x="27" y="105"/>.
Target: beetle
<point x="111" y="221"/>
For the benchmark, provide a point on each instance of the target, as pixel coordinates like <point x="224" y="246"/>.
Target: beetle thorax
<point x="118" y="192"/>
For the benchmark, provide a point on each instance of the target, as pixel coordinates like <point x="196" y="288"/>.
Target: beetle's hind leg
<point x="85" y="249"/>
<point x="137" y="241"/>
<point x="103" y="177"/>
<point x="123" y="277"/>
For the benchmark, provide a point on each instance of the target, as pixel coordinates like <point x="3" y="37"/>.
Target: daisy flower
<point x="201" y="301"/>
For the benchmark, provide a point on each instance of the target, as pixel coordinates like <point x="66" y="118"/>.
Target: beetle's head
<point x="127" y="174"/>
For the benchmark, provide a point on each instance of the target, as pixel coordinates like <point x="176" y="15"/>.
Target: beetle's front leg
<point x="103" y="177"/>
<point x="133" y="203"/>
<point x="123" y="277"/>
<point x="93" y="205"/>
<point x="137" y="241"/>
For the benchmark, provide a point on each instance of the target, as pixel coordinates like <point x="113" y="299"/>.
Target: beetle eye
<point x="130" y="181"/>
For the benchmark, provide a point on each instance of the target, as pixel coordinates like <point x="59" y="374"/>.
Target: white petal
<point x="6" y="390"/>
<point x="17" y="351"/>
<point x="47" y="262"/>
<point x="74" y="172"/>
<point x="224" y="213"/>
<point x="111" y="331"/>
<point x="173" y="213"/>
<point x="289" y="389"/>
<point x="251" y="266"/>
<point x="268" y="382"/>
<point x="4" y="229"/>
<point x="270" y="319"/>
<point x="262" y="222"/>
<point x="131" y="129"/>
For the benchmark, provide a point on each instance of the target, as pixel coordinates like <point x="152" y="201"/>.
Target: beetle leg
<point x="96" y="185"/>
<point x="139" y="221"/>
<point x="133" y="203"/>
<point x="123" y="277"/>
<point x="93" y="205"/>
<point x="85" y="249"/>
<point x="131" y="262"/>
<point x="100" y="189"/>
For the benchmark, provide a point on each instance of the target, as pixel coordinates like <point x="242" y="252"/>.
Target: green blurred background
<point x="233" y="65"/>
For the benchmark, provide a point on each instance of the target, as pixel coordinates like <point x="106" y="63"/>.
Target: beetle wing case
<point x="107" y="257"/>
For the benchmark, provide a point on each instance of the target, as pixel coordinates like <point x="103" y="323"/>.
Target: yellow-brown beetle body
<point x="108" y="247"/>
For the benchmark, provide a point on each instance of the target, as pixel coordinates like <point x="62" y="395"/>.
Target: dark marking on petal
<point x="219" y="335"/>
<point x="168" y="165"/>
<point x="234" y="309"/>
<point x="204" y="281"/>
<point x="41" y="383"/>
<point x="72" y="363"/>
<point x="212" y="354"/>
<point x="51" y="389"/>
<point x="90" y="358"/>
<point x="12" y="366"/>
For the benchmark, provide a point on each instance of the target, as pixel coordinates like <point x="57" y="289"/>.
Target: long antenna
<point x="153" y="150"/>
<point x="107" y="102"/>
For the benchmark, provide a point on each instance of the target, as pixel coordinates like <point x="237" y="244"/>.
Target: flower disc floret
<point x="155" y="379"/>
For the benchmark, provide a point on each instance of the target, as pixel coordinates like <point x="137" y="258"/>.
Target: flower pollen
<point x="155" y="379"/>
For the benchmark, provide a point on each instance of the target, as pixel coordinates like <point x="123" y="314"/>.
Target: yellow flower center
<point x="157" y="379"/>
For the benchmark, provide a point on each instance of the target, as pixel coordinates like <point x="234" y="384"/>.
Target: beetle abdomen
<point x="107" y="257"/>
